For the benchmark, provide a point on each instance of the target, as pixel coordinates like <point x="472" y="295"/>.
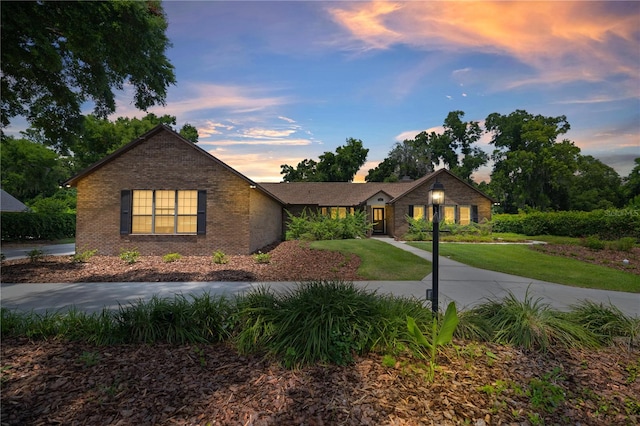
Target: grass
<point x="522" y="261"/>
<point x="380" y="261"/>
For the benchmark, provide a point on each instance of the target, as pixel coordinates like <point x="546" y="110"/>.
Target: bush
<point x="593" y="243"/>
<point x="607" y="224"/>
<point x="129" y="256"/>
<point x="35" y="255"/>
<point x="219" y="257"/>
<point x="315" y="226"/>
<point x="37" y="226"/>
<point x="171" y="257"/>
<point x="84" y="256"/>
<point x="623" y="244"/>
<point x="262" y="257"/>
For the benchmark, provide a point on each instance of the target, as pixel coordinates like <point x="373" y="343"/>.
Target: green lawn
<point x="380" y="261"/>
<point x="522" y="261"/>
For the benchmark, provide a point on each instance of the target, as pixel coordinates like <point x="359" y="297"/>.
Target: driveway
<point x="465" y="285"/>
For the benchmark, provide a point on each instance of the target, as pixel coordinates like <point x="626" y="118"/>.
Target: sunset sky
<point x="270" y="83"/>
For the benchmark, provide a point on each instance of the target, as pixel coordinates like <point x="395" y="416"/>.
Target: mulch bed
<point x="71" y="383"/>
<point x="289" y="261"/>
<point x="609" y="258"/>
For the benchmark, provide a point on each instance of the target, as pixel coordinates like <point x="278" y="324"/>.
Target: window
<point x="418" y="211"/>
<point x="163" y="212"/>
<point x="465" y="215"/>
<point x="337" y="212"/>
<point x="450" y="214"/>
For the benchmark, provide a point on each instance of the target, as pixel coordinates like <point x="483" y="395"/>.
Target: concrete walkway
<point x="465" y="285"/>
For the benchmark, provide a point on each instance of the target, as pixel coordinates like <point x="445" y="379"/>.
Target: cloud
<point x="194" y="98"/>
<point x="257" y="141"/>
<point x="561" y="41"/>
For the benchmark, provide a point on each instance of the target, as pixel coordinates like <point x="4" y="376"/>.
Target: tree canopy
<point x="339" y="167"/>
<point x="58" y="55"/>
<point x="30" y="169"/>
<point x="454" y="148"/>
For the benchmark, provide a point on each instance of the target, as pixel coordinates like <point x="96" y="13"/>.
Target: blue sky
<point x="270" y="83"/>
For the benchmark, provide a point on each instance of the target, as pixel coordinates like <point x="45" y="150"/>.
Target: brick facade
<point x="240" y="218"/>
<point x="457" y="193"/>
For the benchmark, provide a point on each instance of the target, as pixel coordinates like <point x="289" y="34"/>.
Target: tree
<point x="99" y="137"/>
<point x="595" y="186"/>
<point x="29" y="169"/>
<point x="407" y="158"/>
<point x="339" y="167"/>
<point x="305" y="172"/>
<point x="189" y="132"/>
<point x="453" y="149"/>
<point x="530" y="168"/>
<point x="58" y="55"/>
<point x="631" y="188"/>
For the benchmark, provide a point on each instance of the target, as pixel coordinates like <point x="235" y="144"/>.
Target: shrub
<point x="171" y="257"/>
<point x="219" y="257"/>
<point x="129" y="256"/>
<point x="84" y="256"/>
<point x="37" y="226"/>
<point x="608" y="224"/>
<point x="315" y="226"/>
<point x="35" y="255"/>
<point x="262" y="257"/>
<point x="623" y="244"/>
<point x="594" y="243"/>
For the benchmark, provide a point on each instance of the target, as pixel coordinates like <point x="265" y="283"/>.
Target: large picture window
<point x="165" y="211"/>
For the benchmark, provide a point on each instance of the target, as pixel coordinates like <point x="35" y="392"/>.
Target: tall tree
<point x="530" y="168"/>
<point x="339" y="167"/>
<point x="58" y="55"/>
<point x="631" y="188"/>
<point x="595" y="186"/>
<point x="29" y="169"/>
<point x="454" y="149"/>
<point x="408" y="158"/>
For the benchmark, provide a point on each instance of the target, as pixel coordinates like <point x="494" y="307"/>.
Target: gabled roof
<point x="159" y="128"/>
<point x="9" y="203"/>
<point x="346" y="193"/>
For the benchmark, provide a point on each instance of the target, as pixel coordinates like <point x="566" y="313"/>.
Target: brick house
<point x="162" y="194"/>
<point x="387" y="204"/>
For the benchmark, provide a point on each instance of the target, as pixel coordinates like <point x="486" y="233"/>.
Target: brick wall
<point x="166" y="162"/>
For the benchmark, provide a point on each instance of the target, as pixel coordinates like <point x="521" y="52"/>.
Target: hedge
<point x="37" y="226"/>
<point x="606" y="224"/>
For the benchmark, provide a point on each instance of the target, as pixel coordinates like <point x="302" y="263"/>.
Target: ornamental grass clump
<point x="531" y="324"/>
<point x="321" y="321"/>
<point x="607" y="322"/>
<point x="176" y="321"/>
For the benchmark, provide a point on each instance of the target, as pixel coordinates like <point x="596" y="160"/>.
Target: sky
<point x="269" y="83"/>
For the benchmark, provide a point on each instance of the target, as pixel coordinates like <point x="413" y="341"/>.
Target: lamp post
<point x="436" y="197"/>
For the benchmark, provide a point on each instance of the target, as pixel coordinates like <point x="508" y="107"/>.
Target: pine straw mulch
<point x="66" y="383"/>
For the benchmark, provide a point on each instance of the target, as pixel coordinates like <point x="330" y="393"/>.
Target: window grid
<point x="164" y="212"/>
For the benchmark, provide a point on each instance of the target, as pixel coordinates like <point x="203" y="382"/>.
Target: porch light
<point x="436" y="198"/>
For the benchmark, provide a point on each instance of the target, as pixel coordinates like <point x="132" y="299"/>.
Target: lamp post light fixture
<point x="436" y="198"/>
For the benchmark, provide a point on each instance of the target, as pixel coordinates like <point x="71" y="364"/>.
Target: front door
<point x="378" y="220"/>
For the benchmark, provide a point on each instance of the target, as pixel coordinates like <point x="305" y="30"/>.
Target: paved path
<point x="55" y="249"/>
<point x="465" y="285"/>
